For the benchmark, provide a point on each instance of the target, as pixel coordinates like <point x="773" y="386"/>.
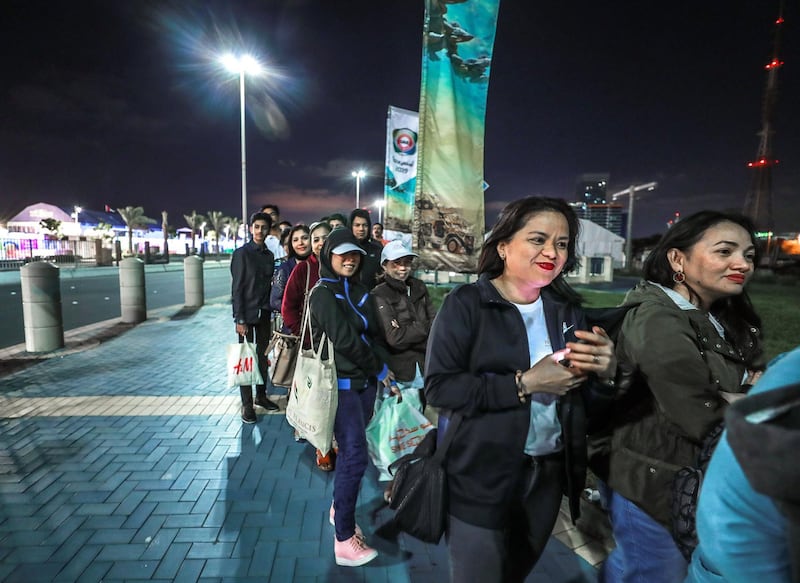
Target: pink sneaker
<point x="332" y="514"/>
<point x="353" y="552"/>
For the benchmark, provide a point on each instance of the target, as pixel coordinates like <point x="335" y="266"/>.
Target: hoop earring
<point x="678" y="277"/>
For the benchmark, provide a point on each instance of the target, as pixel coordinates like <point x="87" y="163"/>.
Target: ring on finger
<point x="595" y="359"/>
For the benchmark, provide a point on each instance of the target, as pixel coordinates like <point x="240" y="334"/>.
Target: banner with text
<point x="402" y="127"/>
<point x="458" y="39"/>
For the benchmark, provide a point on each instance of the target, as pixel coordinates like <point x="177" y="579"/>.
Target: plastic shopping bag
<point x="243" y="365"/>
<point x="394" y="431"/>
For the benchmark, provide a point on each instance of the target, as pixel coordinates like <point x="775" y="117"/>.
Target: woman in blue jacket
<point x="342" y="308"/>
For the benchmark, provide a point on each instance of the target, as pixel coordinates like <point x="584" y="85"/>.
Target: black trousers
<point x="260" y="334"/>
<point x="509" y="555"/>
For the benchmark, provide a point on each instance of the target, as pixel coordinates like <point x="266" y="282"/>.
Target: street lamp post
<point x="358" y="175"/>
<point x="380" y="203"/>
<point x="631" y="192"/>
<point x="241" y="65"/>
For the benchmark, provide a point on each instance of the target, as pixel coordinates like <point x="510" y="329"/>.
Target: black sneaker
<point x="249" y="414"/>
<point x="262" y="401"/>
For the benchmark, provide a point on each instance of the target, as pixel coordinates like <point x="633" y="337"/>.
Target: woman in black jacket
<point x="511" y="356"/>
<point x="342" y="308"/>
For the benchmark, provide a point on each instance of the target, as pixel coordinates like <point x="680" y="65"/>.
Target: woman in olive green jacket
<point x="686" y="349"/>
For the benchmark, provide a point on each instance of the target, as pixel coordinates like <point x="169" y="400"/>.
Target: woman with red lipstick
<point x="496" y="368"/>
<point x="689" y="345"/>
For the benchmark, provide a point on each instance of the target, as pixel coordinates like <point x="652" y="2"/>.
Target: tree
<point x="51" y="226"/>
<point x="134" y="218"/>
<point x="164" y="233"/>
<point x="217" y="220"/>
<point x="194" y="221"/>
<point x="233" y="225"/>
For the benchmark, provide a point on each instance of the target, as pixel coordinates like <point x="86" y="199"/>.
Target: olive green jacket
<point x="672" y="365"/>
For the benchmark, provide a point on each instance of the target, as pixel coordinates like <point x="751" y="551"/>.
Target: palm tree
<point x="134" y="218"/>
<point x="164" y="227"/>
<point x="194" y="221"/>
<point x="217" y="221"/>
<point x="233" y="225"/>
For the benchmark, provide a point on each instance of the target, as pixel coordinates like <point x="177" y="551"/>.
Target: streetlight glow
<point x="358" y="175"/>
<point x="380" y="203"/>
<point x="245" y="64"/>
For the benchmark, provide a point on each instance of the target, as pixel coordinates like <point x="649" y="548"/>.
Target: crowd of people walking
<point x="538" y="383"/>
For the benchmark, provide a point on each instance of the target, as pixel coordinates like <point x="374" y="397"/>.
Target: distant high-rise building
<point x="591" y="203"/>
<point x="591" y="188"/>
<point x="608" y="216"/>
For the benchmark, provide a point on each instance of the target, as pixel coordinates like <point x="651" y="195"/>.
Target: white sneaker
<point x="353" y="552"/>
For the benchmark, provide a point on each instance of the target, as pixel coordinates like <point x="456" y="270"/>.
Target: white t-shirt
<point x="275" y="247"/>
<point x="544" y="432"/>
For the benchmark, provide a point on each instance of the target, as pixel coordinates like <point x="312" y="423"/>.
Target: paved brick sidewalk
<point x="127" y="461"/>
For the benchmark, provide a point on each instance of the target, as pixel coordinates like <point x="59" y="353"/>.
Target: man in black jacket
<point x="252" y="266"/>
<point x="361" y="225"/>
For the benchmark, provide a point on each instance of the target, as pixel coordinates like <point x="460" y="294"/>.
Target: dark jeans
<point x="260" y="333"/>
<point x="352" y="415"/>
<point x="509" y="555"/>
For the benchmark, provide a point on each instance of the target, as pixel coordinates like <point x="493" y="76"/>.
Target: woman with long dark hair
<point x="298" y="248"/>
<point x="509" y="363"/>
<point x="689" y="345"/>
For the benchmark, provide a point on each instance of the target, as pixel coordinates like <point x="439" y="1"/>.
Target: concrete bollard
<point x="193" y="286"/>
<point x="41" y="307"/>
<point x="132" y="298"/>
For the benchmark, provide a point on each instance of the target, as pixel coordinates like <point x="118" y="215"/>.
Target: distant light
<point x="359" y="174"/>
<point x="779" y="21"/>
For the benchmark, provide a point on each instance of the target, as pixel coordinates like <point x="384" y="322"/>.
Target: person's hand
<point x="752" y="377"/>
<point x="390" y="383"/>
<point x="242" y="329"/>
<point x="549" y="376"/>
<point x="594" y="353"/>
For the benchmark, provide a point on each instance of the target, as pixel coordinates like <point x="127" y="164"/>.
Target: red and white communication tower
<point x="758" y="203"/>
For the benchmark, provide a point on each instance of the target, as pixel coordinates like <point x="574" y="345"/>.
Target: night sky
<point x="122" y="103"/>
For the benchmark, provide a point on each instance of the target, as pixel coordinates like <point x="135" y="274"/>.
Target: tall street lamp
<point x="358" y="175"/>
<point x="380" y="203"/>
<point x="631" y="192"/>
<point x="244" y="64"/>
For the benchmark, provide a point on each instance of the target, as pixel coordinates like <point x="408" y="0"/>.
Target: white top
<point x="275" y="247"/>
<point x="544" y="432"/>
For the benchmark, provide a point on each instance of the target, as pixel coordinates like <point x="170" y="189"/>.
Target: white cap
<point x="394" y="250"/>
<point x="347" y="248"/>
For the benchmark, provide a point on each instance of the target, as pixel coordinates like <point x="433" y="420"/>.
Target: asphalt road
<point x="89" y="296"/>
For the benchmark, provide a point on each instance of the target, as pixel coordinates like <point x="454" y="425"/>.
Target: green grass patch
<point x="778" y="305"/>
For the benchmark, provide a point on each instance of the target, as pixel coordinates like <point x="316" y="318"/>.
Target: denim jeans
<point x="646" y="552"/>
<point x="352" y="415"/>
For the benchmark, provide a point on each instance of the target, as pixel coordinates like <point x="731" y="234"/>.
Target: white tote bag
<point x="311" y="408"/>
<point x="242" y="361"/>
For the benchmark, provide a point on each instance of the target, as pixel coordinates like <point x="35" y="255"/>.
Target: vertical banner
<point x="458" y="39"/>
<point x="402" y="127"/>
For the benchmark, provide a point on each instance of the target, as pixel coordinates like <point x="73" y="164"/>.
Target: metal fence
<point x="15" y="252"/>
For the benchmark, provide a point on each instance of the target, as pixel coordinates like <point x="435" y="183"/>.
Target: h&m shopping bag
<point x="242" y="361"/>
<point x="311" y="407"/>
<point x="396" y="429"/>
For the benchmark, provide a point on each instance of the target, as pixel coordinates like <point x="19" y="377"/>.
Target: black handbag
<point x="419" y="490"/>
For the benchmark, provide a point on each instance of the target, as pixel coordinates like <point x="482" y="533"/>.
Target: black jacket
<point x="343" y="309"/>
<point x="251" y="269"/>
<point x="477" y="343"/>
<point x="371" y="262"/>
<point x="408" y="305"/>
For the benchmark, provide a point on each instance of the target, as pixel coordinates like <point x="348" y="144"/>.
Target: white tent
<point x="596" y="241"/>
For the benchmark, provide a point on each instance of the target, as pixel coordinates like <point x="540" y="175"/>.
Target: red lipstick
<point x="736" y="278"/>
<point x="547" y="266"/>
